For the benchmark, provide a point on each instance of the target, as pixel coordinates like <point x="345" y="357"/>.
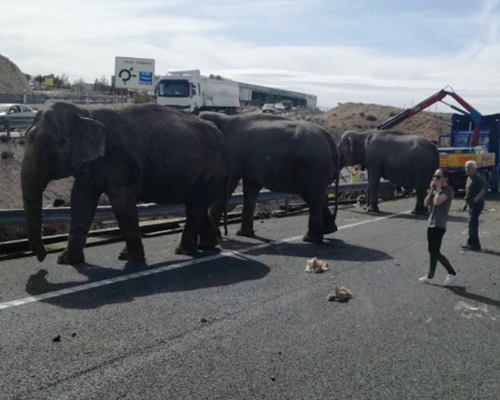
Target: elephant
<point x="281" y="155"/>
<point x="138" y="153"/>
<point x="403" y="159"/>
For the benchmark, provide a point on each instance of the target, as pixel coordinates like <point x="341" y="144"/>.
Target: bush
<point x="392" y="114"/>
<point x="371" y="118"/>
<point x="4" y="138"/>
<point x="361" y="114"/>
<point x="143" y="98"/>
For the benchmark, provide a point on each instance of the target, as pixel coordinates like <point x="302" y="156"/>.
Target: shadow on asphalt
<point x="462" y="292"/>
<point x="190" y="277"/>
<point x="452" y="218"/>
<point x="331" y="249"/>
<point x="490" y="252"/>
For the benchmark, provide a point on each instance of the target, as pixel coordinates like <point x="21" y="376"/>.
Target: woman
<point x="439" y="198"/>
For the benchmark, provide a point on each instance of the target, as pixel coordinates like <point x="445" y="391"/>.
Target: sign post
<point x="134" y="73"/>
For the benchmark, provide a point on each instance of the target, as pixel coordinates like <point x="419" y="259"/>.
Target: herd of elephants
<point x="152" y="153"/>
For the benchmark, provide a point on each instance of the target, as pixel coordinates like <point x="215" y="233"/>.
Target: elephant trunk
<point x="33" y="184"/>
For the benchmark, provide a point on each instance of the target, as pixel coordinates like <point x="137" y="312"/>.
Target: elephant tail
<point x="337" y="179"/>
<point x="337" y="166"/>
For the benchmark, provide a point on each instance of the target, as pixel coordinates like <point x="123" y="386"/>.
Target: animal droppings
<point x="341" y="295"/>
<point x="316" y="266"/>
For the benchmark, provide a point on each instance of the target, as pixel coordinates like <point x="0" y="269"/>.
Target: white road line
<point x="225" y="253"/>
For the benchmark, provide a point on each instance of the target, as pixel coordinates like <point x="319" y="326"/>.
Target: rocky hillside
<point x="12" y="80"/>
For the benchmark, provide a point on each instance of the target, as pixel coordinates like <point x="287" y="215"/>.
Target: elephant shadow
<point x="330" y="249"/>
<point x="222" y="272"/>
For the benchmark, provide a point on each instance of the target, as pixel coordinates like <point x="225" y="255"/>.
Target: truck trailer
<point x="190" y="91"/>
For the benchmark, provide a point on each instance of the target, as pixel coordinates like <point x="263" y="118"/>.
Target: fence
<point x="105" y="213"/>
<point x="42" y="98"/>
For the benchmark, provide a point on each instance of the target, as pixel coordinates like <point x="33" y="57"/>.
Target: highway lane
<point x="251" y="324"/>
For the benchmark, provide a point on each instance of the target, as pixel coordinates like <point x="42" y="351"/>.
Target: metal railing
<point x="152" y="210"/>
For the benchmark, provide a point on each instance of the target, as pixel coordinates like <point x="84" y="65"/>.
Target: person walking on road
<point x="439" y="199"/>
<point x="475" y="190"/>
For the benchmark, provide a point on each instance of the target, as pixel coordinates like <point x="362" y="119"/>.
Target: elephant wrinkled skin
<point x="403" y="159"/>
<point x="281" y="155"/>
<point x="138" y="153"/>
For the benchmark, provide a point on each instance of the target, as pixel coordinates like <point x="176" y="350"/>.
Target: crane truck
<point x="472" y="137"/>
<point x="190" y="91"/>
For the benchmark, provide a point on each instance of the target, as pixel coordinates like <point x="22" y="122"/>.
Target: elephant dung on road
<point x="281" y="155"/>
<point x="138" y="153"/>
<point x="403" y="159"/>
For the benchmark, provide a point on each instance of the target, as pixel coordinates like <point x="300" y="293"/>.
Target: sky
<point x="387" y="52"/>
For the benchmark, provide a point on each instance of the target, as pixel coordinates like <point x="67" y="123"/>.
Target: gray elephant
<point x="137" y="153"/>
<point x="281" y="155"/>
<point x="403" y="159"/>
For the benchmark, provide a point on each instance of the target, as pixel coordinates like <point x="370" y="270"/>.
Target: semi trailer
<point x="193" y="92"/>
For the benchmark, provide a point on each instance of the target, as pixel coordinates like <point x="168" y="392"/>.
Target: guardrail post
<point x="7" y="127"/>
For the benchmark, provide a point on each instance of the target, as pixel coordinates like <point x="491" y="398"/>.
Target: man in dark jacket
<point x="475" y="190"/>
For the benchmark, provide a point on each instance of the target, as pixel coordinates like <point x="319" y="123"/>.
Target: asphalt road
<point x="250" y="323"/>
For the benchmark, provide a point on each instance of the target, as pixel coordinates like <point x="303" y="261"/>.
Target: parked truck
<point x="472" y="137"/>
<point x="189" y="90"/>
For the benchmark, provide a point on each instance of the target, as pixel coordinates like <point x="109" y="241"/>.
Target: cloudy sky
<point x="388" y="52"/>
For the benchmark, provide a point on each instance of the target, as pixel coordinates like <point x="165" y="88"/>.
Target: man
<point x="475" y="190"/>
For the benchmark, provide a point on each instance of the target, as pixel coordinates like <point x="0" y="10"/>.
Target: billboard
<point x="134" y="73"/>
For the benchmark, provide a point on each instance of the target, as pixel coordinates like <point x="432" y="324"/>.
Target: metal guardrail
<point x="151" y="210"/>
<point x="9" y="123"/>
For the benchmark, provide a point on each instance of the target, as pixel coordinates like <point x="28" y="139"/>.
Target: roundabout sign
<point x="134" y="73"/>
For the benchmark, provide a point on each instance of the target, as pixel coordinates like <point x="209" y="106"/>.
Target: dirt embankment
<point x="368" y="116"/>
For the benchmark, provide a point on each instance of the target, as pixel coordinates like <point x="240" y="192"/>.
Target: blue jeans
<point x="475" y="209"/>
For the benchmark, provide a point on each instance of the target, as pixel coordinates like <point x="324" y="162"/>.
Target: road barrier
<point x="152" y="210"/>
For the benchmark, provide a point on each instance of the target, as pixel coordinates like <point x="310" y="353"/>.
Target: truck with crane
<point x="190" y="91"/>
<point x="472" y="137"/>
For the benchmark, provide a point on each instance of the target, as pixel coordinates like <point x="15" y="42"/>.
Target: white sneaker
<point x="450" y="280"/>
<point x="424" y="279"/>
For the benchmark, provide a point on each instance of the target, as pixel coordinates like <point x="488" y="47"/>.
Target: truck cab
<point x="180" y="90"/>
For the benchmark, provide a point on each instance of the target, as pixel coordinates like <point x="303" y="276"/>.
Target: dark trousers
<point x="475" y="210"/>
<point x="435" y="238"/>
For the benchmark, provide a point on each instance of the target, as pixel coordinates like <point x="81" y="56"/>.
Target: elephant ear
<point x="88" y="141"/>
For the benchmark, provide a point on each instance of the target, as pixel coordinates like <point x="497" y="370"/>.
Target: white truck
<point x="189" y="90"/>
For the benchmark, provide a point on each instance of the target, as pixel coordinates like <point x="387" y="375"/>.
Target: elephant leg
<point x="420" y="209"/>
<point x="189" y="238"/>
<point x="251" y="191"/>
<point x="373" y="190"/>
<point x="316" y="205"/>
<point x="207" y="232"/>
<point x="84" y="201"/>
<point x="329" y="225"/>
<point x="219" y="205"/>
<point x="125" y="209"/>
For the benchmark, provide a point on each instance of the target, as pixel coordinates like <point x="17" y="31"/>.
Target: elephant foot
<point x="186" y="250"/>
<point x="65" y="258"/>
<point x="329" y="228"/>
<point x="373" y="209"/>
<point x="419" y="211"/>
<point x="208" y="244"/>
<point x="246" y="232"/>
<point x="125" y="255"/>
<point x="313" y="238"/>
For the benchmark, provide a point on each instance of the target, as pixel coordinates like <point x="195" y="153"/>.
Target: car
<point x="269" y="108"/>
<point x="19" y="115"/>
<point x="280" y="107"/>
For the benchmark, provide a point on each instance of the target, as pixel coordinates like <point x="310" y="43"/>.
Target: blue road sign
<point x="145" y="78"/>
